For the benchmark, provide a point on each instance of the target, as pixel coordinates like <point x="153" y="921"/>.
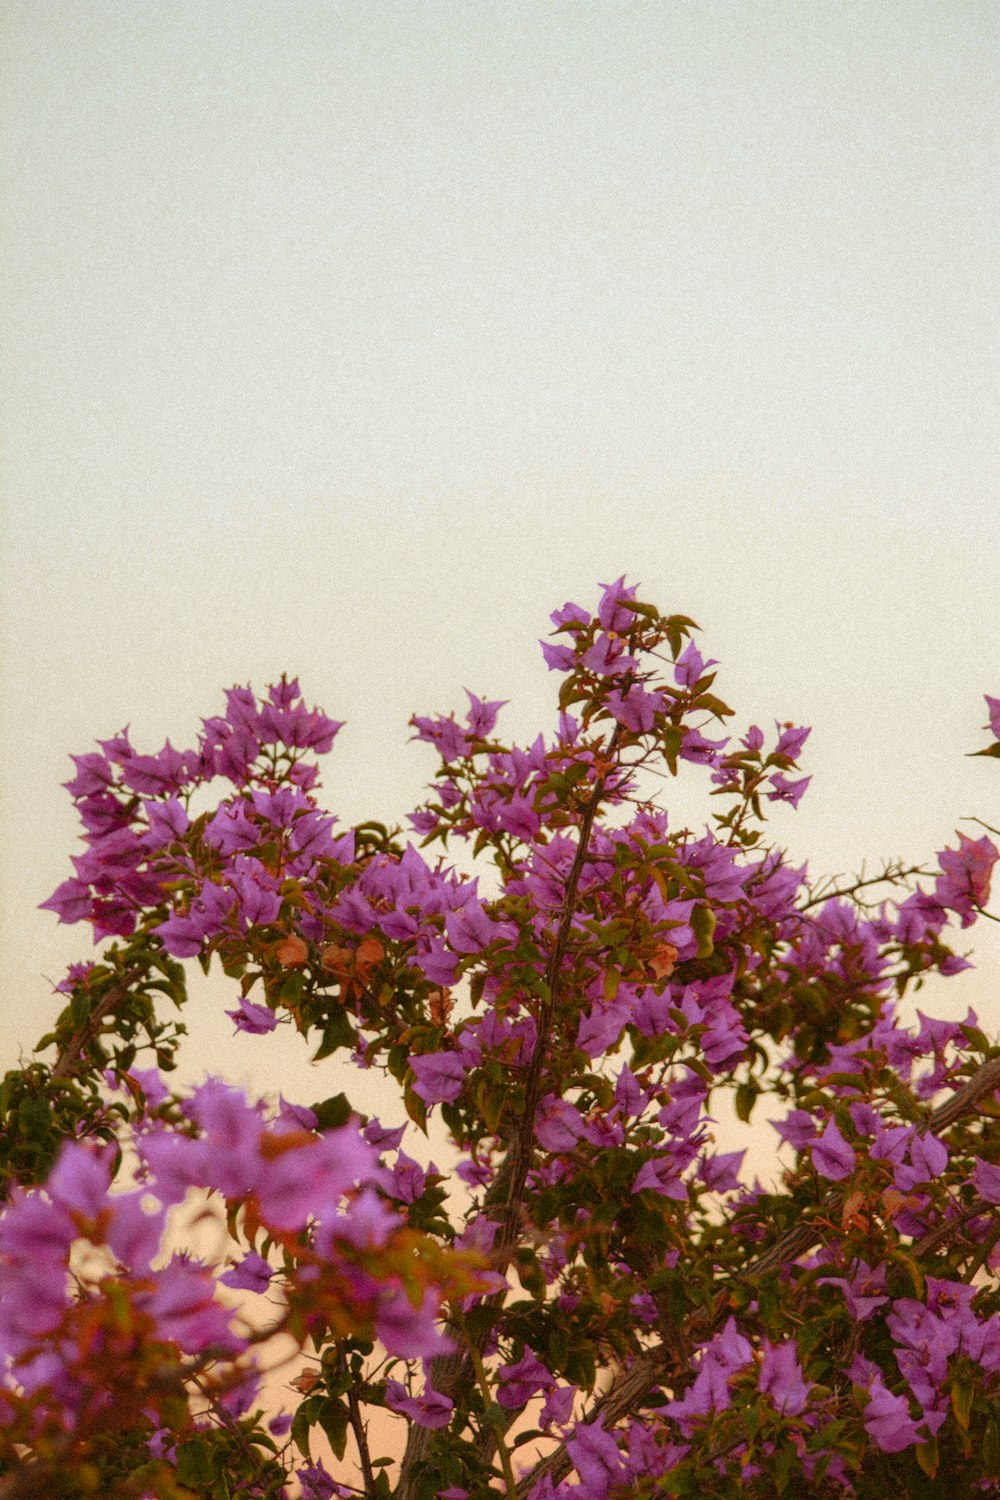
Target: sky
<point x="350" y="339"/>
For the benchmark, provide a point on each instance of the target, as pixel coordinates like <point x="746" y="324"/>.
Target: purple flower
<point x="298" y="1115"/>
<point x="384" y="1137"/>
<point x="596" y="1458"/>
<point x="259" y="902"/>
<point x="522" y="1380"/>
<point x="408" y="1178"/>
<point x="691" y="666"/>
<point x="256" y="1019"/>
<point x="781" y="1377"/>
<point x="151" y="1082"/>
<point x="862" y="1291"/>
<point x="797" y="1129"/>
<point x="832" y="1156"/>
<point x="630" y="1097"/>
<point x="429" y="1410"/>
<point x="311" y="837"/>
<point x="558" y="1406"/>
<point x="888" y="1421"/>
<point x="368" y="1223"/>
<point x="607" y="657"/>
<point x="440" y="1076"/>
<point x="600" y="1028"/>
<point x="721" y="1171"/>
<point x="93" y="774"/>
<point x="987" y="1180"/>
<point x="928" y="1159"/>
<point x="518" y="816"/>
<point x="965" y="883"/>
<point x="316" y="1482"/>
<point x="993" y="709"/>
<point x="727" y="1353"/>
<point x="700" y="750"/>
<point x="450" y="741"/>
<point x="791" y="740"/>
<point x="285" y="720"/>
<point x="231" y="830"/>
<point x="721" y="1043"/>
<point x="409" y="1332"/>
<point x="134" y="1235"/>
<point x="80" y="1179"/>
<point x="785" y="790"/>
<point x="636" y="709"/>
<point x="470" y="930"/>
<point x="613" y="611"/>
<point x="423" y="822"/>
<point x="184" y="933"/>
<point x="184" y="1308"/>
<point x="482" y="715"/>
<point x="176" y="1163"/>
<point x="152" y="775"/>
<point x="558" y="658"/>
<point x="70" y="901"/>
<point x="167" y="822"/>
<point x="661" y="1176"/>
<point x="571" y="614"/>
<point x="251" y="1274"/>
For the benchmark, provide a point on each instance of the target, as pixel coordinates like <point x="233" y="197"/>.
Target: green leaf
<point x="782" y="1470"/>
<point x="911" y="1268"/>
<point x="491" y="1102"/>
<point x="746" y="1097"/>
<point x="530" y="1273"/>
<point x="333" y="1112"/>
<point x="334" y="1420"/>
<point x="416" y="1109"/>
<point x="338" y="1032"/>
<point x="991" y="1447"/>
<point x="291" y="989"/>
<point x="928" y="1457"/>
<point x="194" y="1462"/>
<point x="703" y="923"/>
<point x="307" y="1416"/>
<point x="962" y="1394"/>
<point x="34" y="1117"/>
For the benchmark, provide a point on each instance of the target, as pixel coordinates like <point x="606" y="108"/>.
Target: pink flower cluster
<point x="580" y="1033"/>
<point x="87" y="1270"/>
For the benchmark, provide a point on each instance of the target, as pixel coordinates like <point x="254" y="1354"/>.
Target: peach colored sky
<point x="348" y="339"/>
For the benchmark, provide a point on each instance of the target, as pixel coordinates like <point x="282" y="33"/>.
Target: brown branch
<point x="361" y="1438"/>
<point x="69" y="1058"/>
<point x="985" y="1080"/>
<point x="625" y="1394"/>
<point x="451" y="1370"/>
<point x="511" y="1183"/>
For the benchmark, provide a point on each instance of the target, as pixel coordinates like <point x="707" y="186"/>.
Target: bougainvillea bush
<point x="605" y="1305"/>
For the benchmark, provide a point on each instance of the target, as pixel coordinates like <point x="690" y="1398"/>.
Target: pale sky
<point x="349" y="339"/>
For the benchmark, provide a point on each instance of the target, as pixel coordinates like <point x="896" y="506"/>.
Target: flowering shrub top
<point x="613" y="1292"/>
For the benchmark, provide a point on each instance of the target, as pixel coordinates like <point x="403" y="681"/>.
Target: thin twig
<point x="361" y="1438"/>
<point x="892" y="875"/>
